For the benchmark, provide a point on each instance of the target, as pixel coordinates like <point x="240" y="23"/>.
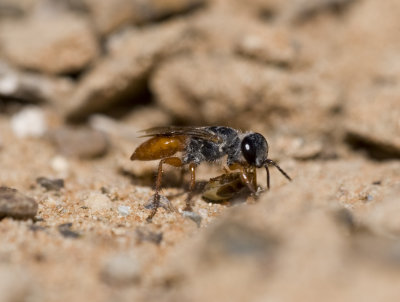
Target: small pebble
<point x="193" y="216"/>
<point x="29" y="122"/>
<point x="82" y="143"/>
<point x="16" y="205"/>
<point x="51" y="184"/>
<point x="98" y="202"/>
<point x="60" y="165"/>
<point x="65" y="230"/>
<point x="144" y="234"/>
<point x="124" y="210"/>
<point x="121" y="270"/>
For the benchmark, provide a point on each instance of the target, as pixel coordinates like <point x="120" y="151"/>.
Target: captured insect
<point x="181" y="146"/>
<point x="226" y="187"/>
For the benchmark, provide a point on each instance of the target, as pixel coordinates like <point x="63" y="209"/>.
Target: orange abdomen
<point x="160" y="147"/>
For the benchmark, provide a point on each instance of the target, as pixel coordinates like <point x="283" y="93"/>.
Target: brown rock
<point x="373" y="122"/>
<point x="16" y="205"/>
<point x="59" y="43"/>
<point x="111" y="15"/>
<point x="122" y="76"/>
<point x="207" y="89"/>
<point x="31" y="87"/>
<point x="83" y="143"/>
<point x="121" y="270"/>
<point x="269" y="46"/>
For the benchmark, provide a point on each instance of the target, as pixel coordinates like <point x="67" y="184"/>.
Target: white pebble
<point x="8" y="84"/>
<point x="60" y="165"/>
<point x="124" y="210"/>
<point x="29" y="122"/>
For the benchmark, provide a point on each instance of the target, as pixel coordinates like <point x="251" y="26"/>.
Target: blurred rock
<point x="98" y="202"/>
<point x="65" y="231"/>
<point x="373" y="122"/>
<point x="31" y="87"/>
<point x="124" y="210"/>
<point x="210" y="89"/>
<point x="121" y="270"/>
<point x="51" y="184"/>
<point x="383" y="218"/>
<point x="16" y="284"/>
<point x="122" y="76"/>
<point x="269" y="46"/>
<point x="16" y="205"/>
<point x="15" y="9"/>
<point x="111" y="15"/>
<point x="49" y="43"/>
<point x="29" y="122"/>
<point x="83" y="143"/>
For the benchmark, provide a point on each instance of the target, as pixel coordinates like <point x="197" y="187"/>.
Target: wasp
<point x="190" y="146"/>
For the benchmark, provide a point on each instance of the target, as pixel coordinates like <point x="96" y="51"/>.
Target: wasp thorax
<point x="255" y="149"/>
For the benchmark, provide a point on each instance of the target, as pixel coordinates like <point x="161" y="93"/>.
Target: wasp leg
<point x="192" y="167"/>
<point x="172" y="161"/>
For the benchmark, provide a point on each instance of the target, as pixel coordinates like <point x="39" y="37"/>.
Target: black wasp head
<point x="255" y="149"/>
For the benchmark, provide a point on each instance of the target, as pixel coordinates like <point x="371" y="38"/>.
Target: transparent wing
<point x="199" y="132"/>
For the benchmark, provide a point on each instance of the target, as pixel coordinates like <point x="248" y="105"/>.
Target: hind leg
<point x="172" y="161"/>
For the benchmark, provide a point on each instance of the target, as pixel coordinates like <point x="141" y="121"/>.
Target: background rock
<point x="68" y="47"/>
<point x="16" y="205"/>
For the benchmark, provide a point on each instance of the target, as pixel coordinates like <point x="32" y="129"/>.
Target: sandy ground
<point x="79" y="79"/>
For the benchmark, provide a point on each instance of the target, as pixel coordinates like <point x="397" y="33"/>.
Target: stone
<point x="82" y="143"/>
<point x="122" y="76"/>
<point x="16" y="284"/>
<point x="207" y="88"/>
<point x="16" y="205"/>
<point x="29" y="122"/>
<point x="271" y="46"/>
<point x="121" y="270"/>
<point x="49" y="43"/>
<point x="31" y="87"/>
<point x="98" y="202"/>
<point x="124" y="210"/>
<point x="373" y="122"/>
<point x="109" y="16"/>
<point x="51" y="184"/>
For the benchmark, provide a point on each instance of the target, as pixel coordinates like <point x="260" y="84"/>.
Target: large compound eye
<point x="255" y="149"/>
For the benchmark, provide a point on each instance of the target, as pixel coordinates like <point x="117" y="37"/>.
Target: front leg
<point x="192" y="167"/>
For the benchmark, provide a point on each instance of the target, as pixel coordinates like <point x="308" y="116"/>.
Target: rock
<point x="208" y="89"/>
<point x="122" y="76"/>
<point x="272" y="46"/>
<point x="83" y="143"/>
<point x="65" y="231"/>
<point x="373" y="122"/>
<point x="16" y="284"/>
<point x="196" y="218"/>
<point x="29" y="122"/>
<point x="145" y="234"/>
<point x="124" y="210"/>
<point x="31" y="87"/>
<point x="49" y="43"/>
<point x="111" y="15"/>
<point x="121" y="270"/>
<point x="16" y="9"/>
<point x="98" y="202"/>
<point x="51" y="184"/>
<point x="60" y="165"/>
<point x="16" y="205"/>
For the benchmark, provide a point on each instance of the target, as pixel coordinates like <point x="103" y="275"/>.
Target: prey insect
<point x="190" y="146"/>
